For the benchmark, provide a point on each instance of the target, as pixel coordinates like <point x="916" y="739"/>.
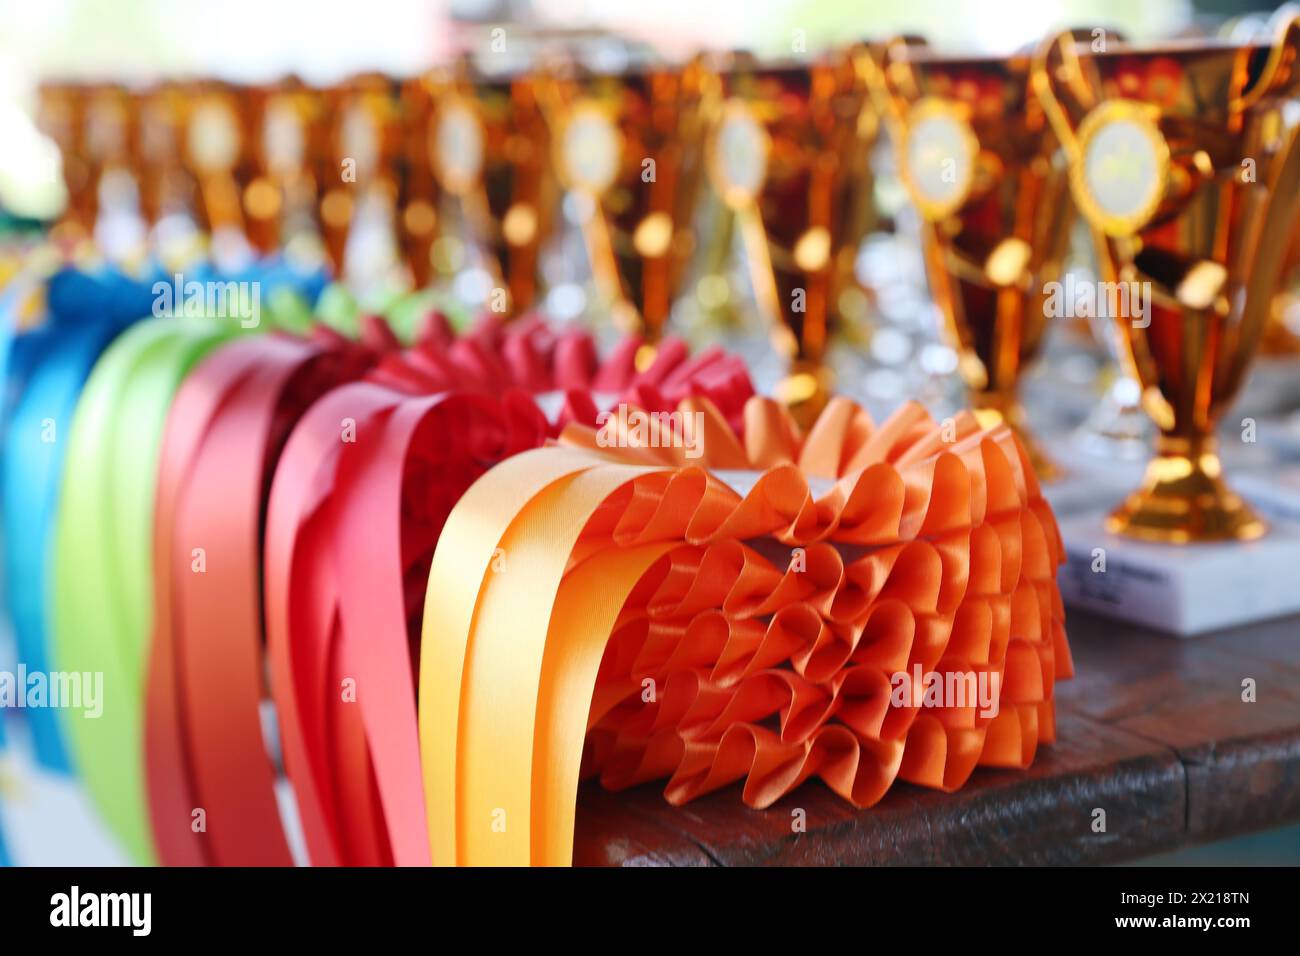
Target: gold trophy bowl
<point x="280" y="195"/>
<point x="978" y="159"/>
<point x="1190" y="180"/>
<point x="631" y="147"/>
<point x="783" y="154"/>
<point x="61" y="115"/>
<point x="488" y="146"/>
<point x="214" y="149"/>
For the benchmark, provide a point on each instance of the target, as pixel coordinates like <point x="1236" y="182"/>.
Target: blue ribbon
<point x="46" y="369"/>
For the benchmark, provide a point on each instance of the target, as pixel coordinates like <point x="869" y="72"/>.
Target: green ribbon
<point x="102" y="599"/>
<point x="338" y="308"/>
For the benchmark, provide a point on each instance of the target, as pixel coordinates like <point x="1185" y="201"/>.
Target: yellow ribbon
<point x="466" y="552"/>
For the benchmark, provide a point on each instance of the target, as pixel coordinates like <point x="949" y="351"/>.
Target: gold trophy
<point x="355" y="172"/>
<point x="716" y="304"/>
<point x="979" y="160"/>
<point x="214" y="149"/>
<point x="280" y="196"/>
<point x="1282" y="337"/>
<point x="630" y="148"/>
<point x="61" y="115"/>
<point x="487" y="144"/>
<point x="1183" y="166"/>
<point x="110" y="143"/>
<point x="417" y="193"/>
<point x="783" y="155"/>
<point x="165" y="187"/>
<point x="848" y="298"/>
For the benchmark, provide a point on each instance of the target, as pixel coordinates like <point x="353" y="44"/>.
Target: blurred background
<point x="326" y="40"/>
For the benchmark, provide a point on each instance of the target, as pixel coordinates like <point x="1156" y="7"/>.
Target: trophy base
<point x="1184" y="590"/>
<point x="1184" y="499"/>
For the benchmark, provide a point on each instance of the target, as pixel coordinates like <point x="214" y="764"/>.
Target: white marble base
<point x="1275" y="494"/>
<point x="1181" y="589"/>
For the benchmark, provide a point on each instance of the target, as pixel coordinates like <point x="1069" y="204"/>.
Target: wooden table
<point x="1152" y="729"/>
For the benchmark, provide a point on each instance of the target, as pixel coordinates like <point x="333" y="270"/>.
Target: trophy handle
<point x="1064" y="83"/>
<point x="890" y="82"/>
<point x="263" y="199"/>
<point x="1282" y="69"/>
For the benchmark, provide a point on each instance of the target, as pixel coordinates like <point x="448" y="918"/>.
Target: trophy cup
<point x="713" y="306"/>
<point x="214" y="152"/>
<point x="629" y="148"/>
<point x="417" y="190"/>
<point x="1282" y="337"/>
<point x="1182" y="164"/>
<point x="783" y="156"/>
<point x="164" y="185"/>
<point x="487" y="144"/>
<point x="280" y="197"/>
<point x="61" y="112"/>
<point x="111" y="147"/>
<point x="978" y="159"/>
<point x="355" y="173"/>
<point x="848" y="298"/>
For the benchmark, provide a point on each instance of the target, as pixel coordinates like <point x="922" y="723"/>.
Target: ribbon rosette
<point x="743" y="616"/>
<point x="358" y="502"/>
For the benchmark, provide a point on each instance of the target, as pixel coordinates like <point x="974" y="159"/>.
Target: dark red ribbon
<point x="210" y="778"/>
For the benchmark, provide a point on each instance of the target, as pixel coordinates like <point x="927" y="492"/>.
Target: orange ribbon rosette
<point x="734" y="609"/>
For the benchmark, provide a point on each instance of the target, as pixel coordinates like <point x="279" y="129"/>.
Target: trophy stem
<point x="995" y="408"/>
<point x="1184" y="498"/>
<point x="806" y="390"/>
